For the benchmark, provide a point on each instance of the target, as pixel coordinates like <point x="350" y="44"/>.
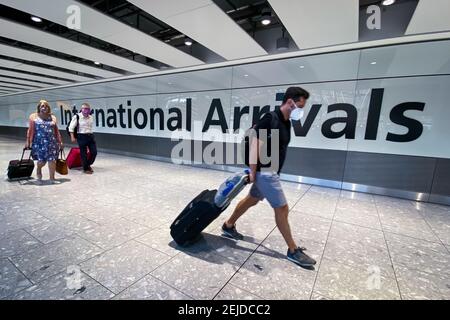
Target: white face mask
<point x="297" y="114"/>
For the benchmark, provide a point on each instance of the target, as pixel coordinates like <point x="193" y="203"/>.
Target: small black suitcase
<point x="199" y="213"/>
<point x="20" y="169"/>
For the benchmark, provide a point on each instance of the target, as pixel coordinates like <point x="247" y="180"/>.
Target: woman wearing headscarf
<point x="44" y="139"/>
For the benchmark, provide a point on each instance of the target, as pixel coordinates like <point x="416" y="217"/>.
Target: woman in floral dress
<point x="44" y="138"/>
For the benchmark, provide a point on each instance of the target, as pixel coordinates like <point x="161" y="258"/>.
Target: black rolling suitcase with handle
<point x="20" y="169"/>
<point x="201" y="211"/>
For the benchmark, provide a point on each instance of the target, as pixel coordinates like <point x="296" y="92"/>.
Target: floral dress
<point x="45" y="144"/>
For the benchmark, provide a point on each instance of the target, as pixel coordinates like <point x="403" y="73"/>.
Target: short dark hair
<point x="295" y="93"/>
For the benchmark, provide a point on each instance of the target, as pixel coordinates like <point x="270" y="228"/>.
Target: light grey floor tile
<point x="305" y="226"/>
<point x="270" y="275"/>
<point x="318" y="206"/>
<point x="366" y="236"/>
<point x="150" y="288"/>
<point x="72" y="285"/>
<point x="151" y="220"/>
<point x="316" y="296"/>
<point x="359" y="255"/>
<point x="161" y="240"/>
<point x="48" y="231"/>
<point x="412" y="228"/>
<point x="143" y="197"/>
<point x="122" y="266"/>
<point x="358" y="218"/>
<point x="230" y="292"/>
<point x="339" y="281"/>
<point x="127" y="228"/>
<point x="418" y="254"/>
<point x="11" y="279"/>
<point x="440" y="225"/>
<point x="200" y="276"/>
<point x="419" y="285"/>
<point x="19" y="220"/>
<point x="75" y="223"/>
<point x="16" y="242"/>
<point x="105" y="237"/>
<point x="53" y="258"/>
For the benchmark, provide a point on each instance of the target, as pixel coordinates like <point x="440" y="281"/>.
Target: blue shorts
<point x="267" y="185"/>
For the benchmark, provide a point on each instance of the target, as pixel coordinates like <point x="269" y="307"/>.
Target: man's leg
<point x="271" y="189"/>
<point x="83" y="152"/>
<point x="281" y="218"/>
<point x="93" y="150"/>
<point x="240" y="209"/>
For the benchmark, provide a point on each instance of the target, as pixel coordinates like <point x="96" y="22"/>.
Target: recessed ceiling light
<point x="302" y="67"/>
<point x="188" y="41"/>
<point x="97" y="63"/>
<point x="373" y="62"/>
<point x="245" y="75"/>
<point x="266" y="16"/>
<point x="266" y="21"/>
<point x="388" y="2"/>
<point x="36" y="19"/>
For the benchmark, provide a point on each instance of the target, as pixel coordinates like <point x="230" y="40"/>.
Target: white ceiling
<point x="28" y="55"/>
<point x="20" y="81"/>
<point x="31" y="77"/>
<point x="16" y="31"/>
<point x="7" y="89"/>
<point x="13" y="85"/>
<point x="310" y="23"/>
<point x="44" y="71"/>
<point x="430" y="16"/>
<point x="313" y="23"/>
<point x="206" y="23"/>
<point x="103" y="27"/>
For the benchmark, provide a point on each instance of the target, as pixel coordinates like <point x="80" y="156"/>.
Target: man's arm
<point x="72" y="125"/>
<point x="253" y="158"/>
<point x="256" y="143"/>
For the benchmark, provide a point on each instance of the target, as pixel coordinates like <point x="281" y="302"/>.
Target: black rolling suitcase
<point x="20" y="169"/>
<point x="201" y="211"/>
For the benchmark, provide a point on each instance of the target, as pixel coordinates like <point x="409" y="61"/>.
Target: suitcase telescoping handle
<point x="23" y="153"/>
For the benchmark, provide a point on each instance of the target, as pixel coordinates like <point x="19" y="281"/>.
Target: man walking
<point x="83" y="123"/>
<point x="266" y="179"/>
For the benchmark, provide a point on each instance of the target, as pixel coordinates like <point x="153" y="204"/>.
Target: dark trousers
<point x="87" y="141"/>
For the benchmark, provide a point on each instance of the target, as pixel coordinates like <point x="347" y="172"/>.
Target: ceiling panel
<point x="26" y="67"/>
<point x="430" y="16"/>
<point x="7" y="90"/>
<point x="25" y="82"/>
<point x="16" y="31"/>
<point x="15" y="86"/>
<point x="103" y="27"/>
<point x="23" y="54"/>
<point x="313" y="23"/>
<point x="206" y="23"/>
<point x="31" y="77"/>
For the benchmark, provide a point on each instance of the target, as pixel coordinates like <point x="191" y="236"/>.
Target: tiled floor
<point x="106" y="236"/>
